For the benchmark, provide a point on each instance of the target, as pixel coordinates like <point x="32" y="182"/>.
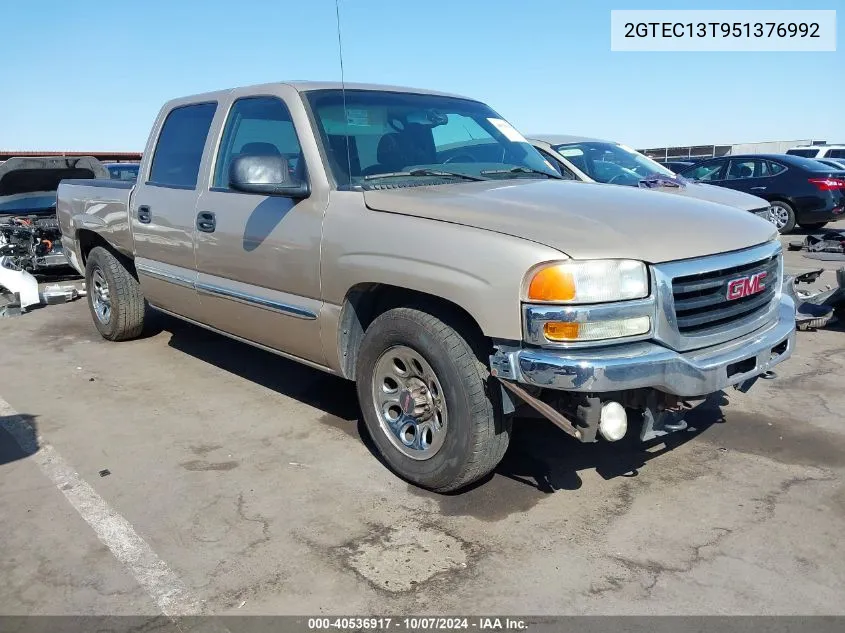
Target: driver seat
<point x="390" y="155"/>
<point x="259" y="149"/>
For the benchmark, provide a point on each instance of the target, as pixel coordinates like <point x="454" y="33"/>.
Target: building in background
<point x="112" y="157"/>
<point x="695" y="152"/>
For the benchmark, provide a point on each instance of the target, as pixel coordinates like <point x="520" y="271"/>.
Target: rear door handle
<point x="206" y="222"/>
<point x="145" y="216"/>
<point x="757" y="188"/>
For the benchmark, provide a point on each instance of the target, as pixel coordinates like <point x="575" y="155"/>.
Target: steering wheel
<point x="460" y="158"/>
<point x="619" y="176"/>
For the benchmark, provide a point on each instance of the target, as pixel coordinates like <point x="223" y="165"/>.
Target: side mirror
<point x="267" y="175"/>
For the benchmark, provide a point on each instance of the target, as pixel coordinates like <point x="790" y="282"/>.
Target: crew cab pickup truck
<point x="351" y="228"/>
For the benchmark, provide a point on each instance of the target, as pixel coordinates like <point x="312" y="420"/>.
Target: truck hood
<point x="722" y="195"/>
<point x="584" y="220"/>
<point x="28" y="185"/>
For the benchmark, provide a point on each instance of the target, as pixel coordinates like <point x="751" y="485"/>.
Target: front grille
<point x="701" y="300"/>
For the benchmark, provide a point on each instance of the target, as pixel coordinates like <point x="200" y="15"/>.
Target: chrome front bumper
<point x="647" y="364"/>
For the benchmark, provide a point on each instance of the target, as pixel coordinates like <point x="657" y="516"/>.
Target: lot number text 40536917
<point x="417" y="623"/>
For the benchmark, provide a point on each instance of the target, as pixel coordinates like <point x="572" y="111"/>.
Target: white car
<point x="818" y="151"/>
<point x="596" y="160"/>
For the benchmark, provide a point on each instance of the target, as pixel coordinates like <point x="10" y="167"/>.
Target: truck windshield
<point x="611" y="162"/>
<point x="376" y="138"/>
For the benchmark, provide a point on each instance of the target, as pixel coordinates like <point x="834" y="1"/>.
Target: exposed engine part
<point x="827" y="245"/>
<point x="31" y="243"/>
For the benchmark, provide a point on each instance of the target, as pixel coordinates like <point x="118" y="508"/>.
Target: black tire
<point x="125" y="319"/>
<point x="788" y="217"/>
<point x="476" y="435"/>
<point x="812" y="226"/>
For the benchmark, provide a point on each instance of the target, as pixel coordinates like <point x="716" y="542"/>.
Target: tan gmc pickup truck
<point x="415" y="243"/>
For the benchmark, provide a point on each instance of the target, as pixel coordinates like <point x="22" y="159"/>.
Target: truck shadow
<point x="264" y="219"/>
<point x="332" y="395"/>
<point x="18" y="437"/>
<point x="541" y="456"/>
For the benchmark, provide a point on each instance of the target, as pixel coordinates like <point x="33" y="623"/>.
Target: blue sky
<point x="92" y="75"/>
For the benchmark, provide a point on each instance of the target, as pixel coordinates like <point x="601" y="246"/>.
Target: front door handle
<point x="145" y="216"/>
<point x="757" y="188"/>
<point x="206" y="222"/>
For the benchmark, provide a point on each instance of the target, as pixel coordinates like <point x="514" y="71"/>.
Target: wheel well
<point x="88" y="240"/>
<point x="366" y="301"/>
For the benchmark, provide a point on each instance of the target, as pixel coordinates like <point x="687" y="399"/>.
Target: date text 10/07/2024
<point x="418" y="623"/>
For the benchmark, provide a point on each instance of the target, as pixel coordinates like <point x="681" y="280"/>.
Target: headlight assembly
<point x="590" y="281"/>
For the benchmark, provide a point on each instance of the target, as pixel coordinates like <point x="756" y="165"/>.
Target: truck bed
<point x="98" y="205"/>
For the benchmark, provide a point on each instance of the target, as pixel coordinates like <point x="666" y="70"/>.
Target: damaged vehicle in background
<point x="800" y="190"/>
<point x="595" y="160"/>
<point x="30" y="238"/>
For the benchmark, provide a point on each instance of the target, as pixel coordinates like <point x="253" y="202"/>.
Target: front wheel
<point x="428" y="401"/>
<point x="782" y="216"/>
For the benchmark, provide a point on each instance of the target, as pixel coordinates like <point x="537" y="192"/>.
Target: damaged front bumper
<point x="649" y="365"/>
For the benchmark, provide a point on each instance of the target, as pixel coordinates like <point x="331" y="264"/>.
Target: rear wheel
<point x="812" y="226"/>
<point x="782" y="216"/>
<point x="114" y="296"/>
<point x="429" y="402"/>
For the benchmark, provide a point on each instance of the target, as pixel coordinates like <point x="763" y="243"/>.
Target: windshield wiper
<point x="424" y="172"/>
<point x="519" y="170"/>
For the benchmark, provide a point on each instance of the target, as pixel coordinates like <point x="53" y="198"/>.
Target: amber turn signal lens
<point x="557" y="331"/>
<point x="552" y="284"/>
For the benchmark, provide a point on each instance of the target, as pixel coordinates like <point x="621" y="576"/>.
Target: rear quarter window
<point x="178" y="153"/>
<point x="775" y="168"/>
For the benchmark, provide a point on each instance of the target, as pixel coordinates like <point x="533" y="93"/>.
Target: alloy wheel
<point x="100" y="298"/>
<point x="409" y="403"/>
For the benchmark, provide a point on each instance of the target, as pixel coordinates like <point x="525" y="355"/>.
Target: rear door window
<point x="178" y="153"/>
<point x="747" y="168"/>
<point x="836" y="153"/>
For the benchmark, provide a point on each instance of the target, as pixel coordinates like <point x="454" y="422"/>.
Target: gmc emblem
<point x="746" y="286"/>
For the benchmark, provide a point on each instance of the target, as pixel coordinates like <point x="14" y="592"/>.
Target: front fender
<point x="480" y="271"/>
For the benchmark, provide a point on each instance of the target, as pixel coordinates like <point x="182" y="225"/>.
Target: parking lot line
<point x="170" y="594"/>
